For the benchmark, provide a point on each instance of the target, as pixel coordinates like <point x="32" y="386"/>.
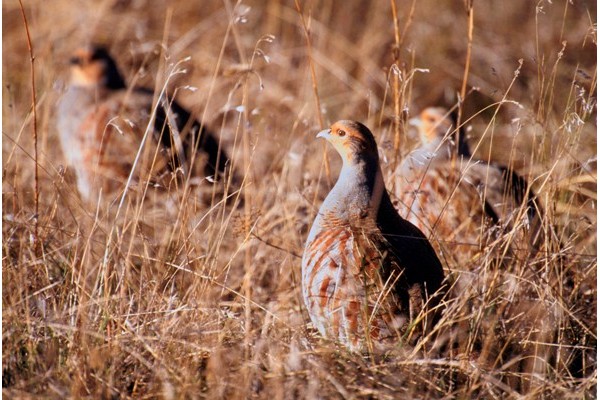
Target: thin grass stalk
<point x="35" y="131"/>
<point x="315" y="86"/>
<point x="463" y="89"/>
<point x="396" y="85"/>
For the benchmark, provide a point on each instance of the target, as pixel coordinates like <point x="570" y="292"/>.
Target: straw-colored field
<point x="182" y="295"/>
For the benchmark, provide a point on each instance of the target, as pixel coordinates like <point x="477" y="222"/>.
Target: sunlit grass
<point x="183" y="294"/>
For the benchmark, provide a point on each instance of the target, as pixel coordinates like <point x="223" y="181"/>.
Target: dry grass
<point x="175" y="296"/>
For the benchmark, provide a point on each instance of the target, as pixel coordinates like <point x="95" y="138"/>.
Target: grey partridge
<point x="455" y="198"/>
<point x="103" y="124"/>
<point x="367" y="273"/>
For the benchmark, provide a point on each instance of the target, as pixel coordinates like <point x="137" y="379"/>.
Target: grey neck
<point x="358" y="188"/>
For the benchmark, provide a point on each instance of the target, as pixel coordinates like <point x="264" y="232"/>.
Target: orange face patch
<point x="87" y="70"/>
<point x="434" y="124"/>
<point x="351" y="138"/>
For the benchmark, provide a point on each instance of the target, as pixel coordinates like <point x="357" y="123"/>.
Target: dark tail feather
<point x="193" y="139"/>
<point x="217" y="159"/>
<point x="489" y="210"/>
<point x="461" y="137"/>
<point x="541" y="237"/>
<point x="520" y="190"/>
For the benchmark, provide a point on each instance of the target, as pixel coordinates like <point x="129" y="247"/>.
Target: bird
<point x="367" y="273"/>
<point x="459" y="201"/>
<point x="103" y="124"/>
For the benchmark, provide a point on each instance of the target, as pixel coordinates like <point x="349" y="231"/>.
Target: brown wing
<point x="450" y="211"/>
<point x="113" y="131"/>
<point x="111" y="136"/>
<point x="513" y="204"/>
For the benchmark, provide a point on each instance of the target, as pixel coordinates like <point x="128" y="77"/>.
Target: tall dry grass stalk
<point x="193" y="290"/>
<point x="34" y="125"/>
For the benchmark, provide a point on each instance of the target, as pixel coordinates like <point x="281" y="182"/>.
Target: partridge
<point x="455" y="198"/>
<point x="367" y="273"/>
<point x="102" y="125"/>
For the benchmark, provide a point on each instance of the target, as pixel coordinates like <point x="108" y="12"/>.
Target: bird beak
<point x="324" y="134"/>
<point x="415" y="122"/>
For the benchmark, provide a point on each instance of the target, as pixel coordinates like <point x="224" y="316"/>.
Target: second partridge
<point x="457" y="200"/>
<point x="102" y="125"/>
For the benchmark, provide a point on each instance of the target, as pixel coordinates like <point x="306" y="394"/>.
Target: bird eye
<point x="75" y="61"/>
<point x="341" y="132"/>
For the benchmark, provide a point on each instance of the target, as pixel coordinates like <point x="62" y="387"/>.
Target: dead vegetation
<point x="183" y="295"/>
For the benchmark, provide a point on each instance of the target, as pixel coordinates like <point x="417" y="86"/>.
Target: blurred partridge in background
<point x="102" y="125"/>
<point x="366" y="272"/>
<point x="458" y="201"/>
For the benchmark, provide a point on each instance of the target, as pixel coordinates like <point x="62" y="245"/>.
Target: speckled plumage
<point x="457" y="201"/>
<point x="102" y="125"/>
<point x="366" y="272"/>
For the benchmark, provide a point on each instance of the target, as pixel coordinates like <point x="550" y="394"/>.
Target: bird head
<point x="352" y="140"/>
<point x="433" y="124"/>
<point x="92" y="66"/>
